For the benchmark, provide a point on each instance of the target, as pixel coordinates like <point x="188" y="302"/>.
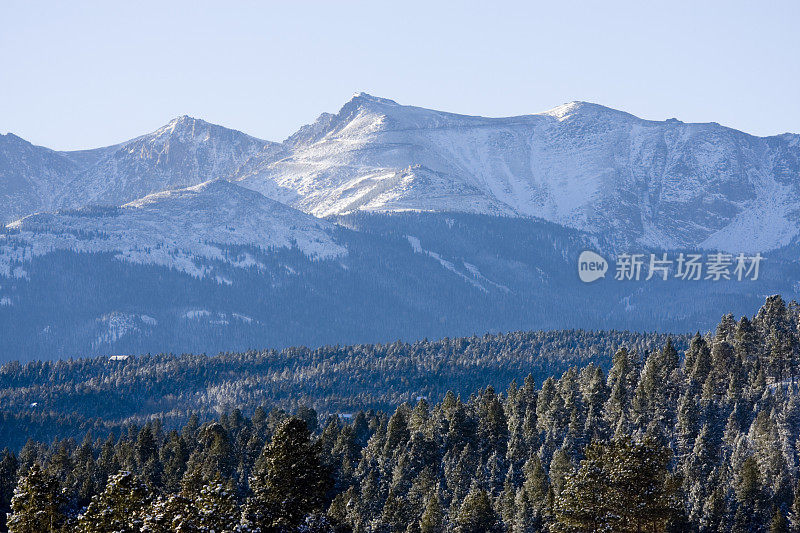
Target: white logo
<point x="591" y="266"/>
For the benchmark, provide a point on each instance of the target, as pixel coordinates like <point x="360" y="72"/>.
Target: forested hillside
<point x="659" y="442"/>
<point x="58" y="399"/>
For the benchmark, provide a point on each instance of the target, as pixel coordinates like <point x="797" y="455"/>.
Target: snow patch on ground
<point x="473" y="275"/>
<point x="480" y="277"/>
<point x="216" y="318"/>
<point x="196" y="314"/>
<point x="243" y="318"/>
<point x="116" y="325"/>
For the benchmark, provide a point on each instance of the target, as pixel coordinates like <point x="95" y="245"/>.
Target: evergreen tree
<point x="37" y="505"/>
<point x="623" y="486"/>
<point x="528" y="519"/>
<point x="560" y="468"/>
<point x="216" y="506"/>
<point x="750" y="499"/>
<point x="432" y="520"/>
<point x="584" y="504"/>
<point x="289" y="480"/>
<point x="118" y="508"/>
<point x="8" y="475"/>
<point x="171" y="513"/>
<point x="617" y="407"/>
<point x="477" y="515"/>
<point x="794" y="512"/>
<point x="779" y="524"/>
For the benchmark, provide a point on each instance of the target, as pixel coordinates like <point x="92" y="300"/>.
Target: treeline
<point x="707" y="442"/>
<point x="58" y="399"/>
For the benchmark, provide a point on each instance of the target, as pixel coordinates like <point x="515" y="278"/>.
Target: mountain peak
<point x="10" y="137"/>
<point x="364" y="98"/>
<point x="182" y="119"/>
<point x="182" y="123"/>
<point x="578" y="107"/>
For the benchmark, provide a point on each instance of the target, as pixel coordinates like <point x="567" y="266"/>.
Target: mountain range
<point x="368" y="224"/>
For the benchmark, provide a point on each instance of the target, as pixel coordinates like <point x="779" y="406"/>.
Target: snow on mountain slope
<point x="31" y="177"/>
<point x="185" y="152"/>
<point x="630" y="181"/>
<point x="585" y="166"/>
<point x="181" y="228"/>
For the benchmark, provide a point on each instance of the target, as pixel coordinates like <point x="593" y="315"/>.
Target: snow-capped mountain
<point x="664" y="184"/>
<point x="31" y="177"/>
<point x="632" y="181"/>
<point x="380" y="222"/>
<point x="185" y="152"/>
<point x="184" y="229"/>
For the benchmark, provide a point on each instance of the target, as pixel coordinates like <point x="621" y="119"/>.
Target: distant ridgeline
<point x="405" y="276"/>
<point x="386" y="221"/>
<point x="49" y="399"/>
<point x="657" y="442"/>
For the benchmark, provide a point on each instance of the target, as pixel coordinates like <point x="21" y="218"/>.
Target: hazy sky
<point x="85" y="74"/>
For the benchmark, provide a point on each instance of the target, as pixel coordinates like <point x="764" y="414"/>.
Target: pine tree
<point x="653" y="400"/>
<point x="528" y="519"/>
<point x="750" y="498"/>
<point x="171" y="513"/>
<point x="746" y="342"/>
<point x="289" y="480"/>
<point x="584" y="503"/>
<point x="536" y="484"/>
<point x="477" y="515"/>
<point x="174" y="456"/>
<point x="147" y="460"/>
<point x="37" y="505"/>
<point x="622" y="486"/>
<point x="118" y="508"/>
<point x="616" y="410"/>
<point x="595" y="396"/>
<point x="216" y="506"/>
<point x="794" y="512"/>
<point x="8" y="475"/>
<point x="432" y="520"/>
<point x="397" y="511"/>
<point x="642" y="489"/>
<point x="492" y="424"/>
<point x="778" y="524"/>
<point x="560" y="468"/>
<point x="506" y="501"/>
<point x="699" y="355"/>
<point x="397" y="432"/>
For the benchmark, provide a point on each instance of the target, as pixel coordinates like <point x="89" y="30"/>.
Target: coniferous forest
<point x="690" y="435"/>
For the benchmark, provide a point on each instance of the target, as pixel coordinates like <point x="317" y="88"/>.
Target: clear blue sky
<point x="84" y="74"/>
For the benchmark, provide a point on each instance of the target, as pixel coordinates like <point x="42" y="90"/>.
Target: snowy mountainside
<point x="403" y="276"/>
<point x="182" y="229"/>
<point x="185" y="152"/>
<point x="633" y="182"/>
<point x="31" y="177"/>
<point x="379" y="222"/>
<point x="661" y="184"/>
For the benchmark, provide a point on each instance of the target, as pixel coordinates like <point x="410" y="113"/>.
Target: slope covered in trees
<point x="44" y="400"/>
<point x="704" y="442"/>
